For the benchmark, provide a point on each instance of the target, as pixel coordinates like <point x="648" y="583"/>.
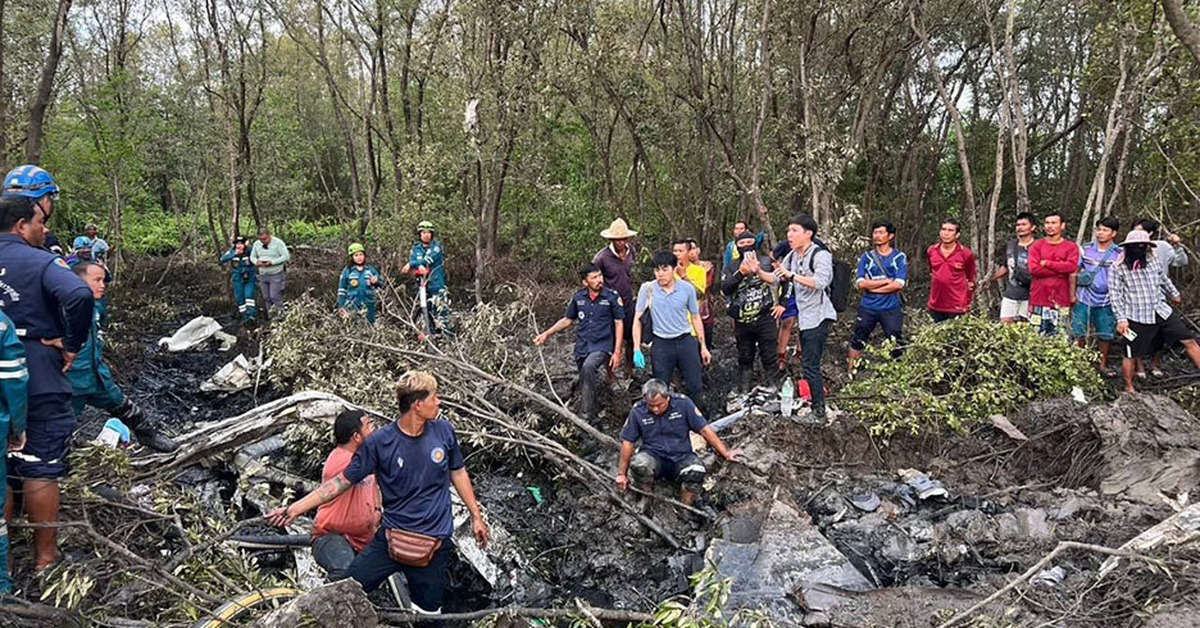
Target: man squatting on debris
<point x="662" y="421"/>
<point x="346" y="525"/>
<point x="415" y="460"/>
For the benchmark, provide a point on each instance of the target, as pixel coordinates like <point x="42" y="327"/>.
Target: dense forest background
<point x="523" y="127"/>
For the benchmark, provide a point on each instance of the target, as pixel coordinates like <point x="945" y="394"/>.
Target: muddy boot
<point x="147" y="433"/>
<point x="745" y="380"/>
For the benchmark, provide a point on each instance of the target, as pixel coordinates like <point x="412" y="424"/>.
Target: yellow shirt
<point x="698" y="278"/>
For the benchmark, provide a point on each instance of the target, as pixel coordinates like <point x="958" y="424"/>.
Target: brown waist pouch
<point x="412" y="548"/>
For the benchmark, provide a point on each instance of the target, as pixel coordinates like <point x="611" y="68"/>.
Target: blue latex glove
<point x="639" y="360"/>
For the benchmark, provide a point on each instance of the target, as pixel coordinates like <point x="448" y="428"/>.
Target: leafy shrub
<point x="320" y="232"/>
<point x="961" y="372"/>
<point x="152" y="232"/>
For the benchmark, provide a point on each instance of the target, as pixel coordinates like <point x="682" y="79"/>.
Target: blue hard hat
<point x="82" y="242"/>
<point x="29" y="181"/>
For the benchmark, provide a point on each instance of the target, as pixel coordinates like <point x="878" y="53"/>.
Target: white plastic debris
<point x="195" y="333"/>
<point x="1077" y="394"/>
<point x="238" y="374"/>
<point x="1049" y="578"/>
<point x="113" y="434"/>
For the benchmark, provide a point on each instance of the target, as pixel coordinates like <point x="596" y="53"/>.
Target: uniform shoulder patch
<point x="62" y="262"/>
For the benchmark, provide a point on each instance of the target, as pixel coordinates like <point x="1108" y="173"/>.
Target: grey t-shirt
<point x="669" y="310"/>
<point x="1019" y="278"/>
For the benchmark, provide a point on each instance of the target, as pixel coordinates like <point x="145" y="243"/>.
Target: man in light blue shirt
<point x="676" y="328"/>
<point x="270" y="255"/>
<point x="809" y="270"/>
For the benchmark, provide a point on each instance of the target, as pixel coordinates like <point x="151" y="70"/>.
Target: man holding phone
<point x="751" y="297"/>
<point x="882" y="274"/>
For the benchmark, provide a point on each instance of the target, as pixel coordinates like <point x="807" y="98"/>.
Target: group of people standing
<point x="52" y="317"/>
<point x="264" y="266"/>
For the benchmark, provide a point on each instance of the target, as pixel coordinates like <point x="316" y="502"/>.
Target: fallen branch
<point x="1178" y="529"/>
<point x="1033" y="571"/>
<point x="531" y="394"/>
<point x="603" y="614"/>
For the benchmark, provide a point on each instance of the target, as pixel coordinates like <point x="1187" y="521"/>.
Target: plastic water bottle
<point x="787" y="397"/>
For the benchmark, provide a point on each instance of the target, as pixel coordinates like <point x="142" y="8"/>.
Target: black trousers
<point x="426" y="585"/>
<point x="758" y="337"/>
<point x="682" y="352"/>
<point x="812" y="343"/>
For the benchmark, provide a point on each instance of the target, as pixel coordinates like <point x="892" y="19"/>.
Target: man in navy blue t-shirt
<point x="882" y="274"/>
<point x="663" y="422"/>
<point x="415" y="460"/>
<point x="599" y="314"/>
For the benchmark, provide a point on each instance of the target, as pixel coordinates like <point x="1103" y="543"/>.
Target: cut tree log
<point x="1180" y="528"/>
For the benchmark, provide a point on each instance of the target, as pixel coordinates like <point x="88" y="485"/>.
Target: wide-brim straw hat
<point x="1136" y="236"/>
<point x="618" y="230"/>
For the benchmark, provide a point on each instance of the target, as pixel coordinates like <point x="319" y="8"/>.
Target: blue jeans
<point x="334" y="554"/>
<point x="812" y="343"/>
<point x="892" y="322"/>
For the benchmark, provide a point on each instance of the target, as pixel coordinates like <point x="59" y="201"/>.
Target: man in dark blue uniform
<point x="600" y="315"/>
<point x="49" y="306"/>
<point x="663" y="421"/>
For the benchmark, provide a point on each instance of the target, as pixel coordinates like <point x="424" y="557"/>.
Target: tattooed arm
<point x="324" y="493"/>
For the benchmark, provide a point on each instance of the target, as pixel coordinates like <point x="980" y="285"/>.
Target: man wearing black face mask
<point x="751" y="299"/>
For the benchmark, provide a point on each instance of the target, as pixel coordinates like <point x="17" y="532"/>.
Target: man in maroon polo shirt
<point x="953" y="269"/>
<point x="1052" y="261"/>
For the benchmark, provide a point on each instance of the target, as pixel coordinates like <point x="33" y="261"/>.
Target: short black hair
<point x="587" y="269"/>
<point x="263" y="230"/>
<point x="1028" y="217"/>
<point x="14" y="209"/>
<point x="1110" y="222"/>
<point x="951" y="221"/>
<point x="346" y="425"/>
<point x="886" y="224"/>
<point x="1061" y="217"/>
<point x="743" y="223"/>
<point x="663" y="258"/>
<point x="81" y="269"/>
<point x="1147" y="225"/>
<point x="805" y="221"/>
<point x="684" y="241"/>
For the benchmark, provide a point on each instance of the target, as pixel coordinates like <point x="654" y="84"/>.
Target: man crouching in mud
<point x="663" y="421"/>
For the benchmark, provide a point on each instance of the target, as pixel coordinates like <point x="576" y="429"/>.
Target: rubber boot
<point x="147" y="434"/>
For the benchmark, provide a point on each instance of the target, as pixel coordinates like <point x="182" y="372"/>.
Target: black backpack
<point x="838" y="289"/>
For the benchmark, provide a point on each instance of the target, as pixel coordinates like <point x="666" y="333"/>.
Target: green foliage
<point x="313" y="232"/>
<point x="152" y="233"/>
<point x="959" y="373"/>
<point x="707" y="608"/>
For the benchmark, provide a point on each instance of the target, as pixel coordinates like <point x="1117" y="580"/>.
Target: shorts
<point x="47" y="438"/>
<point x="1150" y="338"/>
<point x="1100" y="319"/>
<point x="1011" y="308"/>
<point x="892" y="322"/>
<point x="1048" y="320"/>
<point x="790" y="310"/>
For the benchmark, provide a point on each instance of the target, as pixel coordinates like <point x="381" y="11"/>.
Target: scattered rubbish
<point x="1001" y="422"/>
<point x="925" y="487"/>
<point x="196" y="332"/>
<point x="1049" y="578"/>
<point x="238" y="374"/>
<point x="114" y="433"/>
<point x="866" y="502"/>
<point x="1077" y="394"/>
<point x="537" y="494"/>
<point x="787" y="397"/>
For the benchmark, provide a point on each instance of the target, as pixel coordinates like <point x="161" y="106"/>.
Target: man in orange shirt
<point x="347" y="524"/>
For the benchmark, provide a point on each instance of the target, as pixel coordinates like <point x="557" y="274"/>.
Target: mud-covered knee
<point x="692" y="477"/>
<point x="644" y="467"/>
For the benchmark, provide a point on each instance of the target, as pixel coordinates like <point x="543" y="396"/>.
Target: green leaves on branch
<point x="959" y="373"/>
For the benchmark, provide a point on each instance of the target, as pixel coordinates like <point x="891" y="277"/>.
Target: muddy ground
<point x="1008" y="502"/>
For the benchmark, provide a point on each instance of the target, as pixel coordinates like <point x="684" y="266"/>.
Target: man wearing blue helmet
<point x="51" y="310"/>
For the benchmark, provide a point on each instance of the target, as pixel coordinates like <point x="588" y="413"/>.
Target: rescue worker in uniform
<point x="14" y="383"/>
<point x="245" y="277"/>
<point x="356" y="288"/>
<point x="663" y="421"/>
<point x="92" y="382"/>
<point x="427" y="260"/>
<point x="52" y="311"/>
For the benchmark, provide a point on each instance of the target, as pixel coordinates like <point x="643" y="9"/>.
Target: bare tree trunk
<point x="1095" y="200"/>
<point x="4" y="104"/>
<point x="41" y="101"/>
<point x="1004" y="114"/>
<point x="1020" y="135"/>
<point x="955" y="117"/>
<point x="1185" y="30"/>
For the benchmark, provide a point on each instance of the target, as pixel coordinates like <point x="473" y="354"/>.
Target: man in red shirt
<point x="953" y="269"/>
<point x="347" y="524"/>
<point x="1052" y="261"/>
